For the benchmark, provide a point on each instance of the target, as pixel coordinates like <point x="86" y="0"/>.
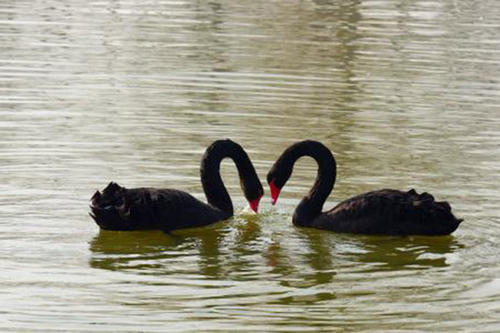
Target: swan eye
<point x="271" y="177"/>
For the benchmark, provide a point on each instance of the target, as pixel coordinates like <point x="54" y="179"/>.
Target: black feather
<point x="119" y="208"/>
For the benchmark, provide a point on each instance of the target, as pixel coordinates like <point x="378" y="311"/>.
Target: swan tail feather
<point x="109" y="208"/>
<point x="436" y="215"/>
<point x="107" y="218"/>
<point x="118" y="208"/>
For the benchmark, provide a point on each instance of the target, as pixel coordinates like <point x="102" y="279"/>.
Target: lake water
<point x="405" y="93"/>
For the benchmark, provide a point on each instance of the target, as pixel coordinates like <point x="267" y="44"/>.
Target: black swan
<point x="118" y="208"/>
<point x="384" y="212"/>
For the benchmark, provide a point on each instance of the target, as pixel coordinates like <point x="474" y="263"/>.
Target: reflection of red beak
<point x="254" y="205"/>
<point x="275" y="192"/>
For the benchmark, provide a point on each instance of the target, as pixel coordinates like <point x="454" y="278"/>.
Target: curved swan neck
<point x="214" y="188"/>
<point x="312" y="204"/>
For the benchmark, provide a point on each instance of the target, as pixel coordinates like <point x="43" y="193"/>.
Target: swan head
<point x="253" y="191"/>
<point x="275" y="192"/>
<point x="277" y="178"/>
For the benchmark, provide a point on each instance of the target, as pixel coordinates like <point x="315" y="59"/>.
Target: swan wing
<point x="118" y="208"/>
<point x="391" y="212"/>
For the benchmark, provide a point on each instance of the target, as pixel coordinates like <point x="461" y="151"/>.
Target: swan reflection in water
<point x="246" y="249"/>
<point x="386" y="253"/>
<point x="217" y="251"/>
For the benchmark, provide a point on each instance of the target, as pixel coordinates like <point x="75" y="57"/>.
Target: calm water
<point x="406" y="94"/>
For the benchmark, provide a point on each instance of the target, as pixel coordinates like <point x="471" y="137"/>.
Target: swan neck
<point x="312" y="204"/>
<point x="213" y="186"/>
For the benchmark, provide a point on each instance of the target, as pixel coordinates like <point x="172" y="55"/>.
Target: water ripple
<point x="406" y="94"/>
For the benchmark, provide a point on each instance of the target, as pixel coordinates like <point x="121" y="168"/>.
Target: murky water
<point x="406" y="94"/>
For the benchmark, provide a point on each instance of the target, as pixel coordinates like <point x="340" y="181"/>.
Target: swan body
<point x="383" y="212"/>
<point x="119" y="208"/>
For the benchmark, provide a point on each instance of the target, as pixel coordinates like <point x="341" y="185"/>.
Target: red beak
<point x="275" y="192"/>
<point x="254" y="205"/>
